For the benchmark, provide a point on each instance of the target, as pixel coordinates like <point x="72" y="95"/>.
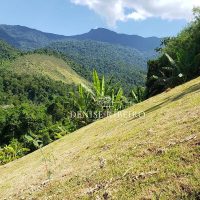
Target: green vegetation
<point x="34" y="100"/>
<point x="124" y="65"/>
<point x="138" y="94"/>
<point x="179" y="62"/>
<point x="7" y="52"/>
<point x="43" y="98"/>
<point x="12" y="152"/>
<point x="27" y="104"/>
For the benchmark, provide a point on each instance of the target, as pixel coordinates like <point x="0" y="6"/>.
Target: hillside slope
<point x="122" y="157"/>
<point x="7" y="51"/>
<point x="39" y="64"/>
<point x="125" y="65"/>
<point x="49" y="66"/>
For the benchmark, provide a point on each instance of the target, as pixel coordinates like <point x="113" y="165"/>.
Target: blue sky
<point x="69" y="17"/>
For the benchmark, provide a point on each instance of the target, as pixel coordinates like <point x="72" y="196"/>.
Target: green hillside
<point x="48" y="66"/>
<point x="125" y="65"/>
<point x="156" y="156"/>
<point x="7" y="51"/>
<point x="122" y="57"/>
<point x="40" y="64"/>
<point x="34" y="99"/>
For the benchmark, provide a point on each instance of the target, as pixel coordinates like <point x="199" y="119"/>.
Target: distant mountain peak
<point x="109" y="36"/>
<point x="101" y="29"/>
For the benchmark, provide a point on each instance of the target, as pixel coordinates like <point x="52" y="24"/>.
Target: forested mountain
<point x="26" y="38"/>
<point x="120" y="56"/>
<point x="132" y="41"/>
<point x="123" y="64"/>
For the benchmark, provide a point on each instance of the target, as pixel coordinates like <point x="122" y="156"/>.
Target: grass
<point x="49" y="66"/>
<point x="153" y="157"/>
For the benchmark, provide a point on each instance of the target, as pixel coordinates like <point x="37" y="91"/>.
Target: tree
<point x="179" y="60"/>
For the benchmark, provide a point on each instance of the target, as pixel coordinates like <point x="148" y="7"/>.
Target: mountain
<point x="120" y="56"/>
<point x="123" y="64"/>
<point x="124" y="156"/>
<point x="26" y="38"/>
<point x="133" y="41"/>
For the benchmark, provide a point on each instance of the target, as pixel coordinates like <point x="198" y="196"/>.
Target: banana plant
<point x="169" y="75"/>
<point x="82" y="99"/>
<point x="175" y="68"/>
<point x="118" y="99"/>
<point x="99" y="85"/>
<point x="138" y="94"/>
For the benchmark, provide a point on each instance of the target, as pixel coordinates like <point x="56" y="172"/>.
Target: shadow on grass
<point x="193" y="89"/>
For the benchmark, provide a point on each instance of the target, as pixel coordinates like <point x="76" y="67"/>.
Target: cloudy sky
<point x="68" y="17"/>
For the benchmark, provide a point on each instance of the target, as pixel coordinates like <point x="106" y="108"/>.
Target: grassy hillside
<point x="39" y="64"/>
<point x="48" y="66"/>
<point x="151" y="157"/>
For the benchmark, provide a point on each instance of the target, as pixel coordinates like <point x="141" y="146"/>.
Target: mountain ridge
<point x="22" y="36"/>
<point x="26" y="38"/>
<point x="133" y="41"/>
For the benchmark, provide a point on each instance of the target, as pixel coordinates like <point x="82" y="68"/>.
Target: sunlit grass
<point x="153" y="157"/>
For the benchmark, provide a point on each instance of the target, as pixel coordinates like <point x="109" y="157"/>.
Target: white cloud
<point x="115" y="10"/>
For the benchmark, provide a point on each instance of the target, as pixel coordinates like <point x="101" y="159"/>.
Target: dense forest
<point x="124" y="65"/>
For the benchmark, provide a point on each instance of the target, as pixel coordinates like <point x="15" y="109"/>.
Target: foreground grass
<point x="151" y="157"/>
